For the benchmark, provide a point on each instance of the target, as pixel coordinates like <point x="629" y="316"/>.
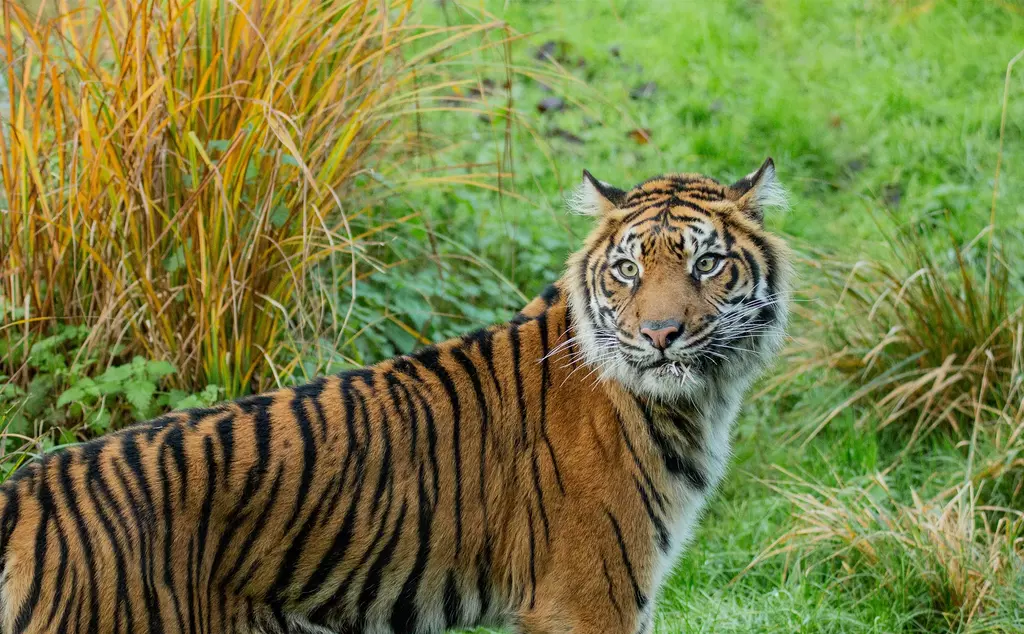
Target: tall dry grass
<point x="925" y="337"/>
<point x="173" y="169"/>
<point x="960" y="563"/>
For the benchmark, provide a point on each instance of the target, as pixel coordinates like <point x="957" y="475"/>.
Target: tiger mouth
<point x="668" y="367"/>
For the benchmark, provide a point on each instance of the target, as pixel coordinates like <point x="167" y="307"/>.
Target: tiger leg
<point x="589" y="604"/>
<point x="553" y="617"/>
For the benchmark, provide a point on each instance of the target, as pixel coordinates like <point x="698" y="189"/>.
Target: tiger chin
<point x="541" y="475"/>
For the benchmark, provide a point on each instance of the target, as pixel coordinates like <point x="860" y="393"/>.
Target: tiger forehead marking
<point x="542" y="474"/>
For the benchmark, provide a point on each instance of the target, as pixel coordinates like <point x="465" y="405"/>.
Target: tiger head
<point x="679" y="284"/>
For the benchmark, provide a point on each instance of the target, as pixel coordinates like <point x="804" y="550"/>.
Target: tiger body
<point x="513" y="477"/>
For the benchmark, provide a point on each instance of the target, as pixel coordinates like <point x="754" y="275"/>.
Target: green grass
<point x="860" y="103"/>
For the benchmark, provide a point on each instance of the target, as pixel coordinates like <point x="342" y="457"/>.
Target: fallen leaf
<point x="854" y="165"/>
<point x="640" y="136"/>
<point x="892" y="194"/>
<point x="551" y="104"/>
<point x="569" y="137"/>
<point x="645" y="90"/>
<point x="553" y="50"/>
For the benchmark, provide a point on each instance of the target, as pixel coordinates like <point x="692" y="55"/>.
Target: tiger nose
<point x="661" y="333"/>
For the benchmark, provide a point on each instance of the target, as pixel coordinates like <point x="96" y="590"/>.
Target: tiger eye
<point x="628" y="269"/>
<point x="707" y="263"/>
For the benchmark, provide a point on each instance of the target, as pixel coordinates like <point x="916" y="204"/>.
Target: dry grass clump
<point x="928" y="338"/>
<point x="965" y="559"/>
<point x="173" y="169"/>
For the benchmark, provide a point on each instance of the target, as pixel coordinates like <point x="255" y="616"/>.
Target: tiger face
<point x="679" y="283"/>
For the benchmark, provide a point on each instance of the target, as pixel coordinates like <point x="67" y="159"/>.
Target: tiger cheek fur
<point x="542" y="474"/>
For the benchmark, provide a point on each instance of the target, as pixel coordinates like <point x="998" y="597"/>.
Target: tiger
<point x="541" y="475"/>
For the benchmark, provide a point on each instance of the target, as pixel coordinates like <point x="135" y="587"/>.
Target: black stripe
<point x="190" y="581"/>
<point x="347" y="392"/>
<point x="207" y="509"/>
<point x="483" y="581"/>
<point x="339" y="545"/>
<point x="12" y="510"/>
<point x="550" y="294"/>
<point x="545" y="381"/>
<point x="471" y="371"/>
<point x="452" y="602"/>
<point x="659" y="498"/>
<point x="638" y="595"/>
<point x="95" y="487"/>
<point x="734" y="276"/>
<point x="300" y="396"/>
<point x="289" y="565"/>
<point x="676" y="463"/>
<point x="226" y="437"/>
<point x="411" y="391"/>
<point x="430" y="358"/>
<point x="45" y="499"/>
<point x="533" y="559"/>
<point x="384" y="472"/>
<point x="396" y="390"/>
<point x="167" y="533"/>
<point x="62" y="570"/>
<point x="146" y="556"/>
<point x="539" y="490"/>
<point x="376" y="574"/>
<point x="513" y="336"/>
<point x="770" y="259"/>
<point x="659" y="524"/>
<point x="322" y="612"/>
<point x="62" y="626"/>
<point x="255" y="530"/>
<point x="755" y="268"/>
<point x="174" y="441"/>
<point x="404" y="615"/>
<point x="484" y="339"/>
<point x="71" y="501"/>
<point x="611" y="590"/>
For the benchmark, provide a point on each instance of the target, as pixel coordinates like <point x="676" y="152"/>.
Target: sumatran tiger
<point x="540" y="475"/>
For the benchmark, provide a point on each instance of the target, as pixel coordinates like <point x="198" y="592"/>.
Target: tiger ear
<point x="757" y="191"/>
<point x="594" y="197"/>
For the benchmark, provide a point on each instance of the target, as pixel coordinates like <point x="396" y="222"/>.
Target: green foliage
<point x="60" y="392"/>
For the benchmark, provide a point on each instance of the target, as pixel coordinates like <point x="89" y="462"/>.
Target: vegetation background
<point x="204" y="198"/>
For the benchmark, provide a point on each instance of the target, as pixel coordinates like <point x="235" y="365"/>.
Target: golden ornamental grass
<point x="173" y="169"/>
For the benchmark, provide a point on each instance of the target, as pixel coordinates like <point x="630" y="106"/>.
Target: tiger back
<point x="542" y="474"/>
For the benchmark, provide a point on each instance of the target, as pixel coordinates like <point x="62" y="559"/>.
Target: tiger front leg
<point x="590" y="593"/>
<point x="583" y="611"/>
